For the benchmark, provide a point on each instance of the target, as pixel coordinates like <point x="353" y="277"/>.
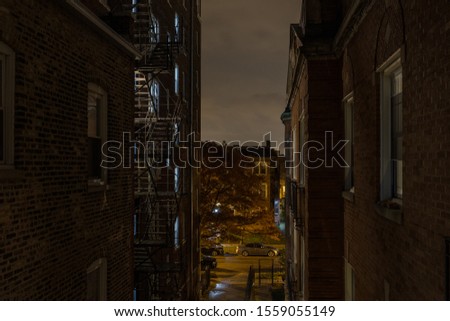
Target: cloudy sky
<point x="245" y="46"/>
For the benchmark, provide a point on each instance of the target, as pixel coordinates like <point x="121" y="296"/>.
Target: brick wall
<point x="52" y="227"/>
<point x="409" y="257"/>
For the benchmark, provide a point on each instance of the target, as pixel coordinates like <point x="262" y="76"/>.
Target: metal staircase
<point x="157" y="194"/>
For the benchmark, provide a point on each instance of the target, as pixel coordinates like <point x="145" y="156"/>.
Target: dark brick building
<point x="380" y="72"/>
<point x="66" y="88"/>
<point x="167" y="124"/>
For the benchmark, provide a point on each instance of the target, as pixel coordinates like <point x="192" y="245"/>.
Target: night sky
<point x="245" y="45"/>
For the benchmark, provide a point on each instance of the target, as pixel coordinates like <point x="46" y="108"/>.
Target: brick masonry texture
<point x="410" y="257"/>
<point x="52" y="227"/>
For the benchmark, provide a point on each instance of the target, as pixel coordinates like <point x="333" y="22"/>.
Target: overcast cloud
<point x="245" y="46"/>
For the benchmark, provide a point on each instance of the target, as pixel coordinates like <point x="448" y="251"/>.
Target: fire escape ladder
<point x="157" y="122"/>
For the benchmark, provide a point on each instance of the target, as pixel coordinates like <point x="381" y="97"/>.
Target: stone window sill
<point x="391" y="210"/>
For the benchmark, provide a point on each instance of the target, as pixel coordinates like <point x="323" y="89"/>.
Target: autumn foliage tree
<point x="232" y="205"/>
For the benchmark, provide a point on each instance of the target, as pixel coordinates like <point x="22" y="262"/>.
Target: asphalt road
<point x="229" y="279"/>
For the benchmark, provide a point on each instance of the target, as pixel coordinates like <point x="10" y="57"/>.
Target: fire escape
<point x="158" y="117"/>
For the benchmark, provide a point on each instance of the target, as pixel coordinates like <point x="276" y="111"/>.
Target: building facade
<point x="167" y="125"/>
<point x="379" y="68"/>
<point x="65" y="221"/>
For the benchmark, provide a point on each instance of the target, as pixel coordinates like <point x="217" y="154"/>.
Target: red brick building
<point x="66" y="88"/>
<point x="380" y="69"/>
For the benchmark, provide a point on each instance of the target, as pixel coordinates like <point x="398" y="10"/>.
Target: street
<point x="229" y="279"/>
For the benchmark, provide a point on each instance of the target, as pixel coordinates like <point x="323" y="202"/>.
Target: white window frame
<point x="349" y="106"/>
<point x="387" y="70"/>
<point x="99" y="266"/>
<point x="7" y="84"/>
<point x="96" y="92"/>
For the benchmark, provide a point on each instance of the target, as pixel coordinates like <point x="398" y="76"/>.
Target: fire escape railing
<point x="157" y="199"/>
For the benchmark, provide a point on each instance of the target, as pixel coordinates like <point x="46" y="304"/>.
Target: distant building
<point x="373" y="73"/>
<point x="66" y="89"/>
<point x="167" y="123"/>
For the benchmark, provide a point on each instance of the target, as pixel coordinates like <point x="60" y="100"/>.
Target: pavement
<point x="229" y="281"/>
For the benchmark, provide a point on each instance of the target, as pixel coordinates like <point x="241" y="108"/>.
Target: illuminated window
<point x="154" y="97"/>
<point x="177" y="25"/>
<point x="177" y="79"/>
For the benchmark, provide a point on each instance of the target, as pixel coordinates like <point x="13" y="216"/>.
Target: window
<point x="264" y="190"/>
<point x="7" y="81"/>
<point x="177" y="79"/>
<point x="97" y="281"/>
<point x="197" y="42"/>
<point x="184" y="86"/>
<point x="97" y="132"/>
<point x="134" y="4"/>
<point x="154" y="30"/>
<point x="349" y="150"/>
<point x="176" y="177"/>
<point x="301" y="156"/>
<point x="176" y="231"/>
<point x="262" y="168"/>
<point x="199" y="8"/>
<point x="349" y="282"/>
<point x="197" y="80"/>
<point x="154" y="97"/>
<point x="177" y="26"/>
<point x="391" y="128"/>
<point x="295" y="158"/>
<point x="447" y="268"/>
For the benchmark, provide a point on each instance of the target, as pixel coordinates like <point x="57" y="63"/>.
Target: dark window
<point x="2" y="124"/>
<point x="447" y="268"/>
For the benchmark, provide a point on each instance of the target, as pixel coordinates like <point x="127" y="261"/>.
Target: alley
<point x="229" y="279"/>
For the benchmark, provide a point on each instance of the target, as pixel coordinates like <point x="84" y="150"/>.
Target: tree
<point x="232" y="204"/>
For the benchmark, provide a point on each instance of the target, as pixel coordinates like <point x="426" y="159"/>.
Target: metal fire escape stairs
<point x="157" y="197"/>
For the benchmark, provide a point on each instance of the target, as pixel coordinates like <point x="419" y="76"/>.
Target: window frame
<point x="99" y="266"/>
<point x="176" y="79"/>
<point x="447" y="269"/>
<point x="392" y="65"/>
<point x="349" y="127"/>
<point x="99" y="92"/>
<point x="7" y="84"/>
<point x="301" y="141"/>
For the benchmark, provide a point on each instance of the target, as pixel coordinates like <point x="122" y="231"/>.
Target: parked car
<point x="214" y="250"/>
<point x="208" y="262"/>
<point x="256" y="249"/>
